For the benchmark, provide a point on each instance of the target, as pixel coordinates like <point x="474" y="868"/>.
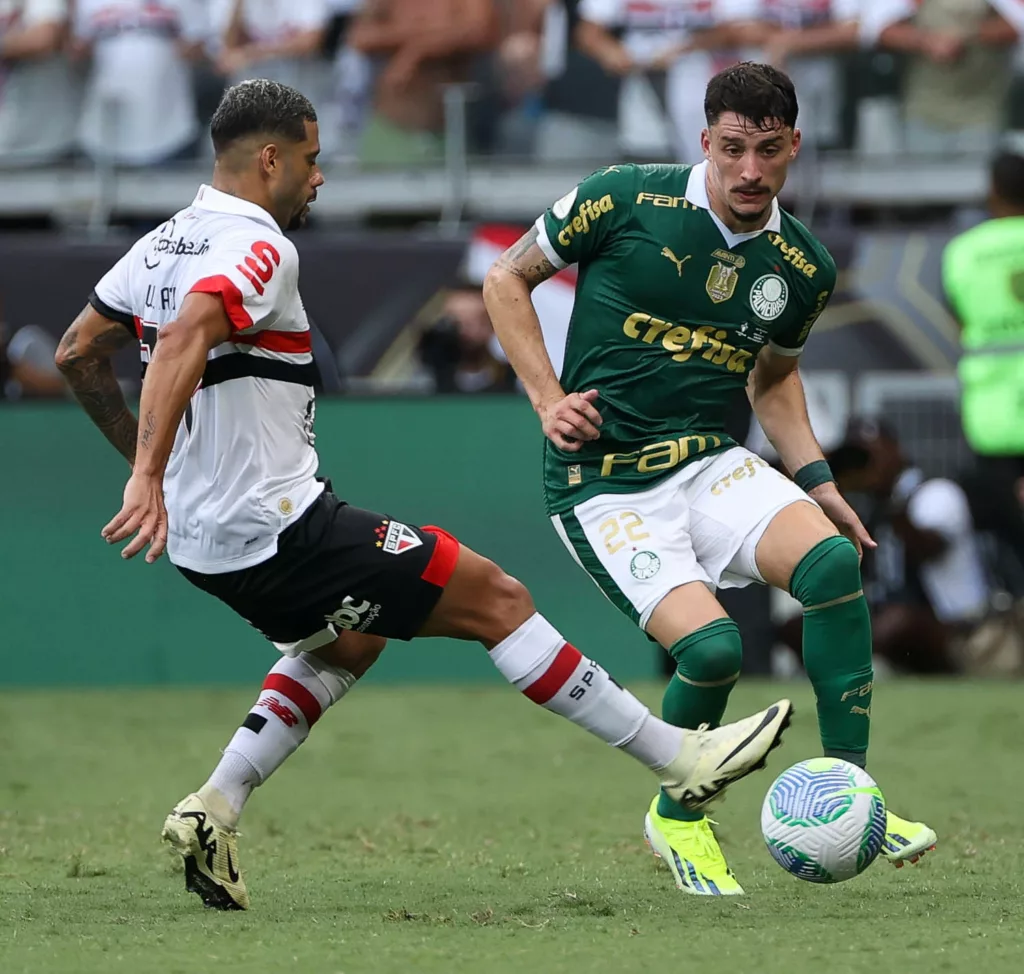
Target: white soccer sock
<point x="295" y="694"/>
<point x="553" y="673"/>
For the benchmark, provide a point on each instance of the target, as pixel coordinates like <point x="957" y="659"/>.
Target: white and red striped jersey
<point x="243" y="465"/>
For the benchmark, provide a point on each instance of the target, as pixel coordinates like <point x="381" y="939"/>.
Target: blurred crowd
<point x="133" y="81"/>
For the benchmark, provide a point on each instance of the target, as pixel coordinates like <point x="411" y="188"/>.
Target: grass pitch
<point x="458" y="830"/>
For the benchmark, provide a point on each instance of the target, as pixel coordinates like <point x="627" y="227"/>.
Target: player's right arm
<point x="565" y="419"/>
<point x="574" y="230"/>
<point x="83" y="358"/>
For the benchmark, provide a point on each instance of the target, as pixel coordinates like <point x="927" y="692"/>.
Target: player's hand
<point x="843" y="516"/>
<point x="568" y="422"/>
<point x="142" y="514"/>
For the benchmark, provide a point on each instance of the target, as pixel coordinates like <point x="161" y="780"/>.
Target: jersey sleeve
<point x="111" y="297"/>
<point x="793" y="336"/>
<point x="254" y="276"/>
<point x="574" y="228"/>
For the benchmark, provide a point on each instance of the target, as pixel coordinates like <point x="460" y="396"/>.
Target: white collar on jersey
<point x="697" y="195"/>
<point x="209" y="198"/>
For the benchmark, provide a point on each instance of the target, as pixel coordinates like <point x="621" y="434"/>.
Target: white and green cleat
<point x="709" y="760"/>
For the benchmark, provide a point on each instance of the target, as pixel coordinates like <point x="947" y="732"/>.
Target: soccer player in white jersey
<point x="224" y="477"/>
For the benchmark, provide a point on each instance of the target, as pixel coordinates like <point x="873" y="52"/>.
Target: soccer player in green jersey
<point x="694" y="283"/>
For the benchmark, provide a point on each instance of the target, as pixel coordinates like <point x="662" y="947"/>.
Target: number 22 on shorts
<point x="626" y="520"/>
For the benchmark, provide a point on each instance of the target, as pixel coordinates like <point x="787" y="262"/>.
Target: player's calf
<point x="482" y="602"/>
<point x="297" y="691"/>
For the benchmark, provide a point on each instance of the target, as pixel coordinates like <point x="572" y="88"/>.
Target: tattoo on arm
<point x="85" y="364"/>
<point x="525" y="260"/>
<point x="147" y="433"/>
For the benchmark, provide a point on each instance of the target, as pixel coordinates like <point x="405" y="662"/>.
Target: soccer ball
<point x="823" y="820"/>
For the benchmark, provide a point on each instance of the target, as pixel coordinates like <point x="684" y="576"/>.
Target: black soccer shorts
<point x="339" y="567"/>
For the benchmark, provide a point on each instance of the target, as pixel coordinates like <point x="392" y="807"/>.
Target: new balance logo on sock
<point x="278" y="709"/>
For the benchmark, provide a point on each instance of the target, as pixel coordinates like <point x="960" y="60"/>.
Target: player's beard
<point x="751" y="218"/>
<point x="299" y="220"/>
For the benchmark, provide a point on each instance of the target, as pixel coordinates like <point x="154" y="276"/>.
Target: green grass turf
<point x="461" y="830"/>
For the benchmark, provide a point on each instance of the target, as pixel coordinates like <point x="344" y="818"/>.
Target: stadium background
<point x="437" y="823"/>
<point x="519" y="119"/>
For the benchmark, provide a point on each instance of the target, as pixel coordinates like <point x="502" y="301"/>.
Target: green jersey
<point x="671" y="311"/>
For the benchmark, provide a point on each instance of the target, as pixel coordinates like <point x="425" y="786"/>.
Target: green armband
<point x="813" y="475"/>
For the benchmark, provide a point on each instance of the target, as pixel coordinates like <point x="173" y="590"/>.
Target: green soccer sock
<point x="837" y="646"/>
<point x="708" y="665"/>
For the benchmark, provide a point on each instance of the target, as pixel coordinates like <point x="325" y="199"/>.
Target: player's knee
<point x="508" y="603"/>
<point x="711" y="655"/>
<point x="829" y="571"/>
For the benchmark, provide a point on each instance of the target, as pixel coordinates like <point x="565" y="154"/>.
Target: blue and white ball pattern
<point x="823" y="820"/>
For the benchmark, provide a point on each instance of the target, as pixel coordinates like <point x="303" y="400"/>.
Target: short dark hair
<point x="757" y="92"/>
<point x="1007" y="175"/>
<point x="260" y="107"/>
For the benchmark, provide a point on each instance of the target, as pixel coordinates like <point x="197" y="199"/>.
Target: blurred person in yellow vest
<point x="983" y="277"/>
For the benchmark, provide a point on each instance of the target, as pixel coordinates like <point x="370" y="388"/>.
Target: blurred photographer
<point x="927" y="583"/>
<point x="459" y="348"/>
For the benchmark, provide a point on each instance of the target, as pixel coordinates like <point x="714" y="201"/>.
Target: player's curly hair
<point x="260" y="107"/>
<point x="757" y="92"/>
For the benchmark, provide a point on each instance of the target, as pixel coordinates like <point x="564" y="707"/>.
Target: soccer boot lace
<point x="692" y="853"/>
<point x="210" y="853"/>
<point x="906" y="841"/>
<point x="709" y="760"/>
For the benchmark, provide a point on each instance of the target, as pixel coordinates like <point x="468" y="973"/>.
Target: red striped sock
<point x="295" y="694"/>
<point x="555" y="674"/>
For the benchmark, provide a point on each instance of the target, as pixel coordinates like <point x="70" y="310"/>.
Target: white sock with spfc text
<point x="538" y="661"/>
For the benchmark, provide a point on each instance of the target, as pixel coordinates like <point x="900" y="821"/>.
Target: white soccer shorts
<point x="701" y="524"/>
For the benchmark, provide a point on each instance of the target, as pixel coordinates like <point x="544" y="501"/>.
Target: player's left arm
<point x="776" y="394"/>
<point x="175" y="370"/>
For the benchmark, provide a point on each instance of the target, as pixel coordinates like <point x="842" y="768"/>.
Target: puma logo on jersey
<point x="667" y="252"/>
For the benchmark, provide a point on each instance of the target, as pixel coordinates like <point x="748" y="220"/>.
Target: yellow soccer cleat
<point x="709" y="760"/>
<point x="906" y="841"/>
<point x="210" y="852"/>
<point x="692" y="852"/>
